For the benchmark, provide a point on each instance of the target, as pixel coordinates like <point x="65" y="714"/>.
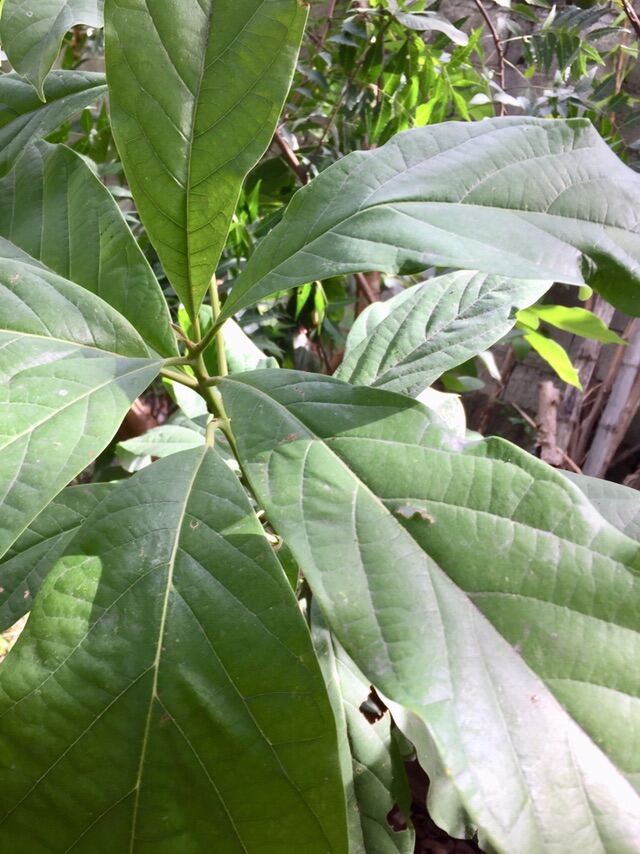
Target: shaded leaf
<point x="59" y="212"/>
<point x="71" y="367"/>
<point x="495" y="533"/>
<point x="191" y="122"/>
<point x="169" y="630"/>
<point x="407" y="342"/>
<point x="32" y="33"/>
<point x="23" y="118"/>
<point x="163" y="441"/>
<point x="37" y="550"/>
<point x="519" y="197"/>
<point x="371" y="766"/>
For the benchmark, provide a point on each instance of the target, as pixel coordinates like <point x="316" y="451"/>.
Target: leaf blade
<point x="72" y="367"/>
<point x="27" y="563"/>
<point x="407" y="342"/>
<point x="32" y="39"/>
<point x="208" y="751"/>
<point x="188" y="129"/>
<point x="477" y="196"/>
<point x="364" y="474"/>
<point x="61" y="214"/>
<point x="23" y="118"/>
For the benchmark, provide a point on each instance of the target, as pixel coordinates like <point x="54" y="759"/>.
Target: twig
<point x="290" y="156"/>
<point x="364" y="286"/>
<point x="632" y="15"/>
<point x="499" y="48"/>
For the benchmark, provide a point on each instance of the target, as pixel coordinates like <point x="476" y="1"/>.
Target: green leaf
<point x="35" y="553"/>
<point x="619" y="504"/>
<point x="371" y="766"/>
<point x="427" y="22"/>
<point x="191" y="122"/>
<point x="58" y="211"/>
<point x="412" y="542"/>
<point x="480" y="196"/>
<point x="32" y="32"/>
<point x="71" y="367"/>
<point x="11" y="252"/>
<point x="407" y="342"/>
<point x="23" y="118"/>
<point x="163" y="441"/>
<point x="165" y="696"/>
<point x="555" y="355"/>
<point x="578" y="321"/>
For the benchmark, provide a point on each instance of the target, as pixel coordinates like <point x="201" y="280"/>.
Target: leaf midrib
<point x="158" y="655"/>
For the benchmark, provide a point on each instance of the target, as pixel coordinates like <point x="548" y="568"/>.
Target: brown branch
<point x="499" y="48"/>
<point x="292" y="159"/>
<point x="547" y="424"/>
<point x="632" y="15"/>
<point x="365" y="288"/>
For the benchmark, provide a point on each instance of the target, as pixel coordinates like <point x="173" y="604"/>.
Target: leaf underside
<point x="519" y="197"/>
<point x="440" y="538"/>
<point x="32" y="33"/>
<point x="23" y="118"/>
<point x="407" y="342"/>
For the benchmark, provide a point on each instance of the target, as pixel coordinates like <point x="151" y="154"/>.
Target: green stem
<point x="223" y="369"/>
<point x="176" y="377"/>
<point x="177" y="360"/>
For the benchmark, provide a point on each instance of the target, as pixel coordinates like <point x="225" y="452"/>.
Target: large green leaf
<point x="58" y="211"/>
<point x="407" y="342"/>
<point x="23" y="118"/>
<point x="165" y="696"/>
<point x="519" y="197"/>
<point x="371" y="765"/>
<point x="35" y="553"/>
<point x="196" y="91"/>
<point x="70" y="367"/>
<point x="408" y="537"/>
<point x="619" y="504"/>
<point x="32" y="32"/>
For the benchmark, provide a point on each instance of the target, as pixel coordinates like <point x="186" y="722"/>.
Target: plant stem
<point x="210" y="436"/>
<point x="632" y="15"/>
<point x="223" y="369"/>
<point x="498" y="46"/>
<point x="176" y="377"/>
<point x="178" y="360"/>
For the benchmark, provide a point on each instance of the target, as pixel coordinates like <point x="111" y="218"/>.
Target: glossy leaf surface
<point x="407" y="342"/>
<point x="169" y="630"/>
<point x="24" y="118"/>
<point x="32" y="32"/>
<point x="193" y="113"/>
<point x="436" y="534"/>
<point x="519" y="197"/>
<point x="35" y="553"/>
<point x="71" y="367"/>
<point x="58" y="211"/>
